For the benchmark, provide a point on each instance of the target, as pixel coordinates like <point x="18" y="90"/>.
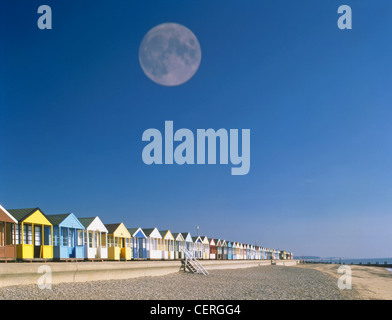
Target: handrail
<point x="193" y="261"/>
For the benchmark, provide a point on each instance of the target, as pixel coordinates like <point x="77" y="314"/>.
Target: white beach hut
<point x="154" y="243"/>
<point x="179" y="245"/>
<point x="197" y="247"/>
<point x="95" y="238"/>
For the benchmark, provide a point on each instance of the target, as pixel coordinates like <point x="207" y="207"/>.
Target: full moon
<point x="170" y="54"/>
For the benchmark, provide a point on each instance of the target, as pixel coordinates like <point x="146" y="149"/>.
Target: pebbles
<point x="265" y="282"/>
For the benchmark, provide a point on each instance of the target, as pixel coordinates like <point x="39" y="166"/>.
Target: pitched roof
<point x="86" y="221"/>
<point x="132" y="230"/>
<point x="163" y="232"/>
<point x="112" y="227"/>
<point x="148" y="231"/>
<point x="8" y="214"/>
<point x="21" y="214"/>
<point x="56" y="219"/>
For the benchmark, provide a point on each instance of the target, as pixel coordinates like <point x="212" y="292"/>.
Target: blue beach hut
<point x="138" y="243"/>
<point x="229" y="251"/>
<point x="68" y="234"/>
<point x="188" y="241"/>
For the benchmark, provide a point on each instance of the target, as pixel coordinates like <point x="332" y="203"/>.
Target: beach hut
<point x="206" y="248"/>
<point x="95" y="238"/>
<point x="266" y="254"/>
<point x="188" y="241"/>
<point x="243" y="251"/>
<point x="230" y="250"/>
<point x="224" y="249"/>
<point x="212" y="249"/>
<point x="234" y="248"/>
<point x="251" y="255"/>
<point x="238" y="252"/>
<point x="7" y="235"/>
<point x="154" y="243"/>
<point x="276" y="254"/>
<point x="119" y="238"/>
<point x="33" y="234"/>
<point x="270" y="254"/>
<point x="179" y="245"/>
<point x="138" y="243"/>
<point x="67" y="236"/>
<point x="168" y="245"/>
<point x="258" y="253"/>
<point x="197" y="247"/>
<point x="219" y="249"/>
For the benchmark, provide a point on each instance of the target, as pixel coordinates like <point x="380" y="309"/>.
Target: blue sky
<point x="74" y="103"/>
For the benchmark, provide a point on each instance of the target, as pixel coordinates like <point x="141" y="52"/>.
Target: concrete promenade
<point x="30" y="273"/>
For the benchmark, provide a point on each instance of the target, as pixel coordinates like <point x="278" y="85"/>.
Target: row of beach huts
<point x="29" y="234"/>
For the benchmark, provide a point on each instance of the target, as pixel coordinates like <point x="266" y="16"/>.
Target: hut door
<point x="71" y="243"/>
<point x="37" y="241"/>
<point x="141" y="247"/>
<point x="135" y="243"/>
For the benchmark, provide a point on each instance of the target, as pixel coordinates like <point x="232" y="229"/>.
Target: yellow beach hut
<point x="206" y="248"/>
<point x="168" y="245"/>
<point x="119" y="240"/>
<point x="241" y="251"/>
<point x="33" y="234"/>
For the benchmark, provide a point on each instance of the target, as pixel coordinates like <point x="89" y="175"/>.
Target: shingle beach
<point x="266" y="282"/>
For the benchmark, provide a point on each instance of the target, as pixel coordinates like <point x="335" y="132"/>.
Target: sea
<point x="371" y="261"/>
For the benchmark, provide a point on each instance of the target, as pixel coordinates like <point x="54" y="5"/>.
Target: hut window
<point x="95" y="239"/>
<point x="27" y="234"/>
<point x="103" y="240"/>
<point x="37" y="235"/>
<point x="80" y="237"/>
<point x="15" y="233"/>
<point x="155" y="244"/>
<point x="90" y="239"/>
<point x="47" y="236"/>
<point x="65" y="237"/>
<point x="85" y="237"/>
<point x="71" y="237"/>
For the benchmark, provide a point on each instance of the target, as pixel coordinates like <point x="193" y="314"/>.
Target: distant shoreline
<point x="376" y="262"/>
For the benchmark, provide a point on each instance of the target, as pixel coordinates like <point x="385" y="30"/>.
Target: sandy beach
<point x="369" y="282"/>
<point x="255" y="283"/>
